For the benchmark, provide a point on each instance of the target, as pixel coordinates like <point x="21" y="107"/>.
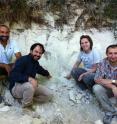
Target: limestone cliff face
<point x="83" y="14"/>
<point x="86" y="13"/>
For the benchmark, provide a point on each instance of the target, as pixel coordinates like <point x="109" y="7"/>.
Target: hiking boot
<point x="31" y="112"/>
<point x="31" y="107"/>
<point x="114" y="120"/>
<point x="36" y="115"/>
<point x="108" y="118"/>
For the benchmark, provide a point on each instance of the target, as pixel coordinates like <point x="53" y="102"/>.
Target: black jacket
<point x="24" y="68"/>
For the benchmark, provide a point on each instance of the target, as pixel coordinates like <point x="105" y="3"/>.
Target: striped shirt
<point x="106" y="71"/>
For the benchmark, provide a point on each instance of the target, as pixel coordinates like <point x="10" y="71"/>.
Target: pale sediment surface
<point x="69" y="106"/>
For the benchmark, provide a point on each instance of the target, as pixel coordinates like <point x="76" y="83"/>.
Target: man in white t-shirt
<point x="7" y="50"/>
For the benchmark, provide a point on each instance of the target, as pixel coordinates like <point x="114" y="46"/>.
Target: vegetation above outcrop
<point x="87" y="13"/>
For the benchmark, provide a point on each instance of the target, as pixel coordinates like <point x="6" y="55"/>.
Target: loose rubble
<point x="69" y="106"/>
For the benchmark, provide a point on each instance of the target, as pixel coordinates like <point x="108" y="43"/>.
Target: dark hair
<point x="89" y="39"/>
<point x="111" y="46"/>
<point x="2" y="25"/>
<point x="37" y="44"/>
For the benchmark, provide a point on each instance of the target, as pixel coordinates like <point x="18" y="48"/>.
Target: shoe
<point x="36" y="115"/>
<point x="115" y="114"/>
<point x="26" y="111"/>
<point x="29" y="111"/>
<point x="31" y="108"/>
<point x="114" y="120"/>
<point x="108" y="118"/>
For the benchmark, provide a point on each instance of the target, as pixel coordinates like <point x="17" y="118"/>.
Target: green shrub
<point x="110" y="10"/>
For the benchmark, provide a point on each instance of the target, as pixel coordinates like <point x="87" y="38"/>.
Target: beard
<point x="4" y="38"/>
<point x="36" y="57"/>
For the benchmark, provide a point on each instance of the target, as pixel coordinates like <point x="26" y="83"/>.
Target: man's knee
<point x="97" y="88"/>
<point x="28" y="93"/>
<point x="28" y="87"/>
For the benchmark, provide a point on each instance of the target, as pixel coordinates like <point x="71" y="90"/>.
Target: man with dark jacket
<point x="23" y="84"/>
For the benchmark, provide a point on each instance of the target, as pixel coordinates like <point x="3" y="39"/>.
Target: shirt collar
<point x="109" y="66"/>
<point x="8" y="43"/>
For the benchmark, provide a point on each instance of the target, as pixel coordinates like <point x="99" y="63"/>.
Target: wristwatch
<point x="113" y="81"/>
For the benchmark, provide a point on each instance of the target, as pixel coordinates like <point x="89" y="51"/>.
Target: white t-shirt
<point x="7" y="53"/>
<point x="88" y="59"/>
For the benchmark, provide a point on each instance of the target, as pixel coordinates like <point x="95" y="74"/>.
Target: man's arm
<point x="43" y="72"/>
<point x="114" y="82"/>
<point x="105" y="82"/>
<point x="100" y="77"/>
<point x="7" y="67"/>
<point x="16" y="50"/>
<point x="17" y="73"/>
<point x="2" y="65"/>
<point x="18" y="55"/>
<point x="109" y="84"/>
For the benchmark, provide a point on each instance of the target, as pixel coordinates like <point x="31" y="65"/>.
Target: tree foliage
<point x="95" y="12"/>
<point x="111" y="10"/>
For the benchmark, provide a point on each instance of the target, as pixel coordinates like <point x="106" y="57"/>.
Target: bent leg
<point x="25" y="92"/>
<point x="76" y="72"/>
<point x="101" y="94"/>
<point x="3" y="72"/>
<point x="42" y="94"/>
<point x="89" y="80"/>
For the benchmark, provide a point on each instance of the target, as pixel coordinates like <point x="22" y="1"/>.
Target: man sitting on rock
<point x="23" y="84"/>
<point x="106" y="79"/>
<point x="8" y="49"/>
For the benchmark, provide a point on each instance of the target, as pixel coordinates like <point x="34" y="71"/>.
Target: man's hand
<point x="49" y="76"/>
<point x="7" y="68"/>
<point x="33" y="82"/>
<point x="108" y="83"/>
<point x="103" y="81"/>
<point x="114" y="89"/>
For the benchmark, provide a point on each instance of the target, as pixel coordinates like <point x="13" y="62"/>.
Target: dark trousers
<point x="3" y="75"/>
<point x="3" y="72"/>
<point x="88" y="80"/>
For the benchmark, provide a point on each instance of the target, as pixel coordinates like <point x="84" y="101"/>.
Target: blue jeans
<point x="88" y="80"/>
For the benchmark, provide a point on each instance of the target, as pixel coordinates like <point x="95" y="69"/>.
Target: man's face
<point x="37" y="53"/>
<point x="4" y="33"/>
<point x="112" y="55"/>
